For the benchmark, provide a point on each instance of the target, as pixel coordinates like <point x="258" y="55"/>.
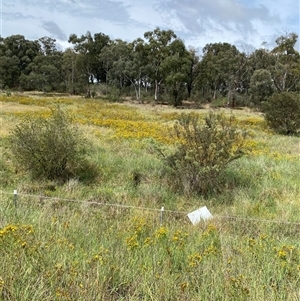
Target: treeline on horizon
<point x="158" y="67"/>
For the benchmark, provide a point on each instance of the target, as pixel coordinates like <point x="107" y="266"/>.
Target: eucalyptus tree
<point x="47" y="46"/>
<point x="261" y="86"/>
<point x="286" y="70"/>
<point x="9" y="72"/>
<point x="83" y="46"/>
<point x="176" y="68"/>
<point x="193" y="70"/>
<point x="125" y="64"/>
<point x="16" y="53"/>
<point x="275" y="70"/>
<point x="134" y="67"/>
<point x="221" y="68"/>
<point x="157" y="48"/>
<point x="44" y="75"/>
<point x="113" y="58"/>
<point x="74" y="79"/>
<point x="120" y="54"/>
<point x="99" y="42"/>
<point x="45" y="71"/>
<point x="89" y="49"/>
<point x="261" y="58"/>
<point x="240" y="79"/>
<point x="106" y="58"/>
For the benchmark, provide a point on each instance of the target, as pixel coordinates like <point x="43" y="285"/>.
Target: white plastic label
<point x="201" y="213"/>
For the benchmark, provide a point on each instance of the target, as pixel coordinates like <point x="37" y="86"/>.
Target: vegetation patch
<point x="49" y="148"/>
<point x="78" y="237"/>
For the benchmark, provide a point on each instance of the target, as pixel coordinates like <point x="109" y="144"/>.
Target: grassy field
<point x="107" y="240"/>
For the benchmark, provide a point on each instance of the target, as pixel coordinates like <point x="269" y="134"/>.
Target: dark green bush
<point x="203" y="151"/>
<point x="49" y="148"/>
<point x="282" y="113"/>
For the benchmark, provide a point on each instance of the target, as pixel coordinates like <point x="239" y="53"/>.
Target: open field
<point x="106" y="240"/>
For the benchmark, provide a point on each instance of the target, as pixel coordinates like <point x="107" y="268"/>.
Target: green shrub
<point x="49" y="148"/>
<point x="114" y="95"/>
<point x="203" y="151"/>
<point x="219" y="102"/>
<point x="282" y="113"/>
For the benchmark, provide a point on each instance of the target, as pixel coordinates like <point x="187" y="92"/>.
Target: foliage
<point x="285" y="71"/>
<point x="88" y="49"/>
<point x="159" y="65"/>
<point x="203" y="151"/>
<point x="176" y="66"/>
<point x="261" y="86"/>
<point x="158" y="48"/>
<point x="222" y="70"/>
<point x="50" y="148"/>
<point x="282" y="112"/>
<point x="16" y="55"/>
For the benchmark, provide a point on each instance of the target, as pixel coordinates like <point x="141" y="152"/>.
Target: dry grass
<point x="13" y="107"/>
<point x="52" y="249"/>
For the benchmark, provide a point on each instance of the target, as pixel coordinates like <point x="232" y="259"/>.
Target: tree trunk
<point x="156" y="91"/>
<point x="139" y="91"/>
<point x="139" y="86"/>
<point x="88" y="92"/>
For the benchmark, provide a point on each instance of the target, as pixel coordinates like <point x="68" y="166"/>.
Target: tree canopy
<point x="158" y="66"/>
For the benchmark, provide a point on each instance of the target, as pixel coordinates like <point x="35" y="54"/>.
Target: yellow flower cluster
<point x="179" y="237"/>
<point x="14" y="228"/>
<point x="36" y="100"/>
<point x="176" y="252"/>
<point x="132" y="242"/>
<point x="254" y="123"/>
<point x="138" y="227"/>
<point x="210" y="230"/>
<point x="1" y="284"/>
<point x="148" y="241"/>
<point x="99" y="257"/>
<point x="15" y="236"/>
<point x="161" y="233"/>
<point x="285" y="251"/>
<point x="33" y="114"/>
<point x="18" y="99"/>
<point x="126" y="122"/>
<point x="194" y="259"/>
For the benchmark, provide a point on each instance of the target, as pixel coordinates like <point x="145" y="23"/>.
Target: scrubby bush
<point x="282" y="113"/>
<point x="202" y="152"/>
<point x="49" y="148"/>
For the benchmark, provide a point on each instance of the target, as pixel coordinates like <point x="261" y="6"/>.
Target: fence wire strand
<point x="229" y="218"/>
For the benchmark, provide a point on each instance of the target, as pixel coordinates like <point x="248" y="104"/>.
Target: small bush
<point x="203" y="151"/>
<point x="114" y="95"/>
<point x="282" y="113"/>
<point x="51" y="148"/>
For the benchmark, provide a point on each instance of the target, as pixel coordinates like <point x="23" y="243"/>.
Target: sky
<point x="248" y="24"/>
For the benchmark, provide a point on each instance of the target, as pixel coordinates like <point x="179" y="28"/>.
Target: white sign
<point x="201" y="213"/>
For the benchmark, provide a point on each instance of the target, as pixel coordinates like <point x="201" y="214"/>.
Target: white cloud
<point x="198" y="22"/>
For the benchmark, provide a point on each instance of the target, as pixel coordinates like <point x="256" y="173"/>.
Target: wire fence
<point x="42" y="197"/>
<point x="228" y="223"/>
